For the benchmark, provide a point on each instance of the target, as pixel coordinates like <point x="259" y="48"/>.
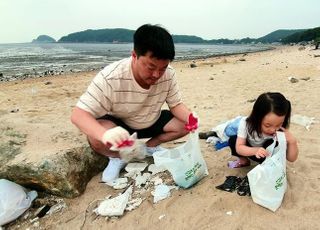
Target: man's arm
<point x="87" y="123"/>
<point x="181" y="112"/>
<point x="113" y="135"/>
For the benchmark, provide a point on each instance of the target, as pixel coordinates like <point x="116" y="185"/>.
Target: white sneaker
<point x="112" y="171"/>
<point x="151" y="150"/>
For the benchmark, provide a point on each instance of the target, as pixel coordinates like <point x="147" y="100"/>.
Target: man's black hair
<point x="155" y="39"/>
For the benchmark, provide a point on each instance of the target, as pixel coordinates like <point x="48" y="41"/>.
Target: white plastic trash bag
<point x="14" y="201"/>
<point x="268" y="181"/>
<point x="184" y="162"/>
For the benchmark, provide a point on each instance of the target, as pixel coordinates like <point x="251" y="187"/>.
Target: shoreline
<point x="55" y="73"/>
<point x="224" y="54"/>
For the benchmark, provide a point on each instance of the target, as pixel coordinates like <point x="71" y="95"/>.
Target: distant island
<point x="43" y="39"/>
<point x="120" y="35"/>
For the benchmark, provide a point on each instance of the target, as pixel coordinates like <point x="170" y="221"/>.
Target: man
<point x="127" y="96"/>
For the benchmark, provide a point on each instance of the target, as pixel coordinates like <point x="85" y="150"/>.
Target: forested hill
<point x="103" y="35"/>
<point x="120" y="35"/>
<point x="277" y="36"/>
<point x="43" y="39"/>
<point x="306" y="35"/>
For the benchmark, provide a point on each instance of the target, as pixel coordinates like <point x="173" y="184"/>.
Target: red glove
<point x="124" y="144"/>
<point x="192" y="124"/>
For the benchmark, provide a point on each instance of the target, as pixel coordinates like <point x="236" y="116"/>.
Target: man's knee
<point x="179" y="128"/>
<point x="96" y="145"/>
<point x="183" y="131"/>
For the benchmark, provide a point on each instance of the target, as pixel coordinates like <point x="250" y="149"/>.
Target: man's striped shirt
<point x="114" y="91"/>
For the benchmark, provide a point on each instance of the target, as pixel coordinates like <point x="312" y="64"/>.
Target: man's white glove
<point x="115" y="136"/>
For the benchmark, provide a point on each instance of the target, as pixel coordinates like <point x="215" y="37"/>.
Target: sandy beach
<point x="218" y="89"/>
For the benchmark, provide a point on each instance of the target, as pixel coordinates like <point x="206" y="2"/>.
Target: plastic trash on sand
<point x="14" y="201"/>
<point x="161" y="192"/>
<point x="303" y="120"/>
<point x="114" y="206"/>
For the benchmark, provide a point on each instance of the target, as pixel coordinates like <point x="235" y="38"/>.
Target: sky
<point x="24" y="20"/>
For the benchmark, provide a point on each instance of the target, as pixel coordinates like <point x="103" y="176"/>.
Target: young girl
<point x="271" y="112"/>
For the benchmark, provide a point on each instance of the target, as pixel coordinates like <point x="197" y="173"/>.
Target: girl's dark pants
<point x="232" y="145"/>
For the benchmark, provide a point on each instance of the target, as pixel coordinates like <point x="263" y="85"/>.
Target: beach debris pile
<point x="138" y="186"/>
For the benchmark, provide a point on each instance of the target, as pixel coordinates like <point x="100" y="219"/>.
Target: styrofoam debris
<point x="229" y="213"/>
<point x="57" y="207"/>
<point x="36" y="224"/>
<point x="161" y="192"/>
<point x="132" y="174"/>
<point x="114" y="206"/>
<point x="162" y="216"/>
<point x="142" y="179"/>
<point x="27" y="214"/>
<point x="118" y="183"/>
<point x="133" y="204"/>
<point x="156" y="180"/>
<point x="136" y="167"/>
<point x="34" y="220"/>
<point x="154" y="169"/>
<point x="136" y="151"/>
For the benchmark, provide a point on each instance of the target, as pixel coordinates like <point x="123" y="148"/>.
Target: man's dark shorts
<point x="154" y="130"/>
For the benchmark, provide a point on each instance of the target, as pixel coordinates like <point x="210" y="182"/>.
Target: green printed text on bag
<point x="185" y="162"/>
<point x="268" y="181"/>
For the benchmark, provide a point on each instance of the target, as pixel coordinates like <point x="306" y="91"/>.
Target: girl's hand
<point x="261" y="153"/>
<point x="289" y="137"/>
<point x="292" y="145"/>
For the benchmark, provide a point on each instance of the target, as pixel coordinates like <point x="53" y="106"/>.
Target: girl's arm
<point x="292" y="145"/>
<point x="244" y="150"/>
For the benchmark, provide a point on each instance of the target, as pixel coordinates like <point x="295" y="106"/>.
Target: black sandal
<point x="244" y="188"/>
<point x="230" y="184"/>
<point x="205" y="135"/>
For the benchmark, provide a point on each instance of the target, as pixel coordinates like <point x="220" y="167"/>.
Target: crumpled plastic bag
<point x="303" y="120"/>
<point x="14" y="201"/>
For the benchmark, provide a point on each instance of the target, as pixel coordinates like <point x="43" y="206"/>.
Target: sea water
<point x="39" y="59"/>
